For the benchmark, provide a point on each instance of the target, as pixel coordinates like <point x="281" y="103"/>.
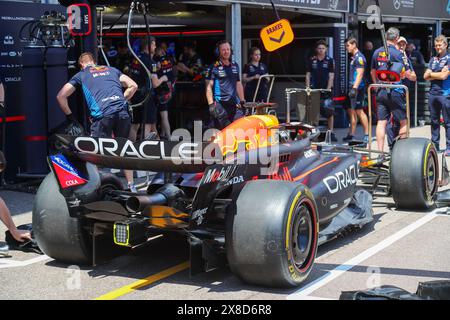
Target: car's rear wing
<point x="147" y="155"/>
<point x="169" y="156"/>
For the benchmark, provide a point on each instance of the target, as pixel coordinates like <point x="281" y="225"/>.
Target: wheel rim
<point x="302" y="237"/>
<point x="431" y="175"/>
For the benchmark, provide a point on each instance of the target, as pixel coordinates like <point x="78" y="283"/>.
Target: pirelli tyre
<point x="414" y="174"/>
<point x="272" y="233"/>
<point x="59" y="236"/>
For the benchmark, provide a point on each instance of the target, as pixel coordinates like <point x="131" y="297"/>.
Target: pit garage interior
<point x="177" y="23"/>
<point x="203" y="23"/>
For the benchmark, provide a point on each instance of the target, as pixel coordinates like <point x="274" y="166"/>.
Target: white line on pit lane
<point x="15" y="264"/>
<point x="7" y="261"/>
<point x="343" y="268"/>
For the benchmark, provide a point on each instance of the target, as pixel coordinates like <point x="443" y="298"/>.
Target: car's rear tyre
<point x="272" y="234"/>
<point x="414" y="173"/>
<point x="59" y="236"/>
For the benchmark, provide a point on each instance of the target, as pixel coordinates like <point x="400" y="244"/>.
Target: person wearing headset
<point x="224" y="90"/>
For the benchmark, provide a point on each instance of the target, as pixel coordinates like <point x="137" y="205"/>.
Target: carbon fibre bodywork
<point x="199" y="186"/>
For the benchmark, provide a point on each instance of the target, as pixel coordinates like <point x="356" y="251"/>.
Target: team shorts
<point x="392" y="102"/>
<point x="357" y="103"/>
<point x="118" y="123"/>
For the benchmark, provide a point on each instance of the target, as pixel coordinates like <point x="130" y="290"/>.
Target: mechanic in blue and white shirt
<point x="390" y="101"/>
<point x="357" y="90"/>
<point x="106" y="100"/>
<point x="224" y="90"/>
<point x="320" y="75"/>
<point x="439" y="97"/>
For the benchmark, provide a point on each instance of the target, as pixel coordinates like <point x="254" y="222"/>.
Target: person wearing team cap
<point x="390" y="101"/>
<point x="393" y="127"/>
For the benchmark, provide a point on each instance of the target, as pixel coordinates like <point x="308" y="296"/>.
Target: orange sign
<point x="277" y="35"/>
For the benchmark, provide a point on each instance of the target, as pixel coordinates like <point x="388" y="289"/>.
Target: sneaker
<point x="348" y="138"/>
<point x="4" y="251"/>
<point x="381" y="158"/>
<point x="132" y="187"/>
<point x="366" y="139"/>
<point x="438" y="149"/>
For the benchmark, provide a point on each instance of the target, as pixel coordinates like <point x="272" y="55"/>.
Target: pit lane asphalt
<point x="159" y="270"/>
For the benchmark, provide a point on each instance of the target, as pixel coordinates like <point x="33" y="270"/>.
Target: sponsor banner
<point x="328" y="5"/>
<point x="67" y="175"/>
<point x="432" y="9"/>
<point x="13" y="15"/>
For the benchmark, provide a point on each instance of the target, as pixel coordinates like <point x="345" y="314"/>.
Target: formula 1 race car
<point x="263" y="218"/>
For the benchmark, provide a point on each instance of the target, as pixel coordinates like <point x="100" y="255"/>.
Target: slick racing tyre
<point x="414" y="174"/>
<point x="59" y="236"/>
<point x="272" y="234"/>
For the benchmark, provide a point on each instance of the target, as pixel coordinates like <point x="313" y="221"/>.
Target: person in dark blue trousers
<point x="439" y="96"/>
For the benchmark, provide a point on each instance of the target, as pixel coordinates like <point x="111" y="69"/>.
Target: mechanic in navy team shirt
<point x="250" y="77"/>
<point x="439" y="97"/>
<point x="224" y="90"/>
<point x="191" y="67"/>
<point x="357" y="90"/>
<point x="393" y="127"/>
<point x="390" y="101"/>
<point x="320" y="75"/>
<point x="107" y="103"/>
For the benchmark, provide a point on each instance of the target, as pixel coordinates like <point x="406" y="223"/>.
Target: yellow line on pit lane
<point x="144" y="282"/>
